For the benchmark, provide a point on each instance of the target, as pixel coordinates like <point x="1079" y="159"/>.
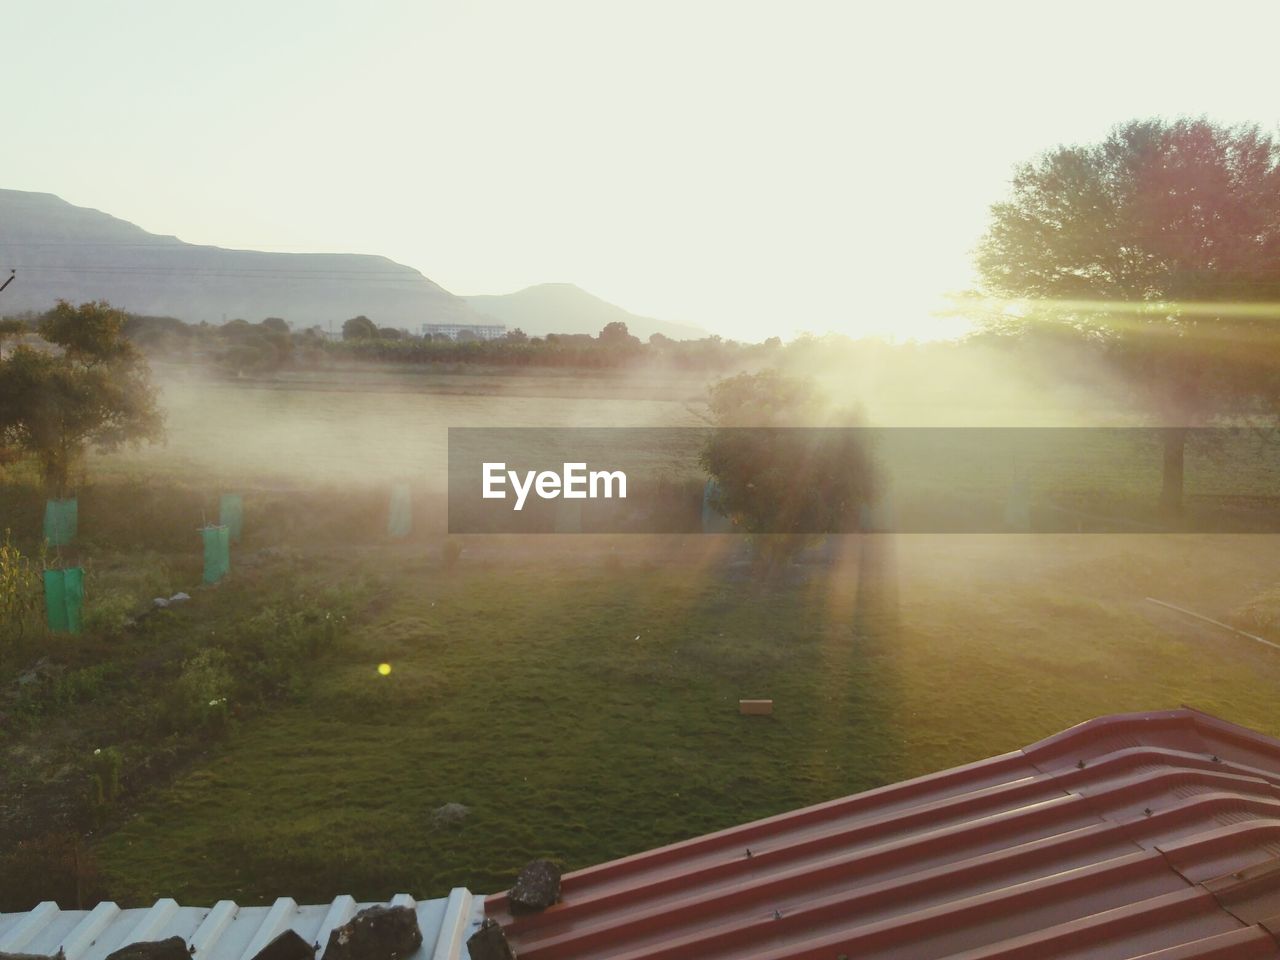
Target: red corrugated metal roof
<point x="1153" y="835"/>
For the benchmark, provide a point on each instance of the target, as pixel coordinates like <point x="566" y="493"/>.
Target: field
<point x="576" y="694"/>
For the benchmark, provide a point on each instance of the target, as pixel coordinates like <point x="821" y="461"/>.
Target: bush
<point x="109" y="612"/>
<point x="199" y="695"/>
<point x="272" y="648"/>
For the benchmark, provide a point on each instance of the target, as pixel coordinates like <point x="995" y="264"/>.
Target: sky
<point x="754" y="168"/>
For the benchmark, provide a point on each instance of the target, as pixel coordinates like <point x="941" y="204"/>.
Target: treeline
<point x="239" y="347"/>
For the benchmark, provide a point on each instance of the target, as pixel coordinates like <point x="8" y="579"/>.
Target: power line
<point x="408" y="275"/>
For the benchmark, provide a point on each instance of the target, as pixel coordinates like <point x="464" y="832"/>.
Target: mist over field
<point x="371" y="427"/>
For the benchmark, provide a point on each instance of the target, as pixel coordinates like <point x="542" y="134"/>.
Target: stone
<point x="174" y="948"/>
<point x="41" y="669"/>
<point x="536" y="888"/>
<point x="490" y="943"/>
<point x="450" y="815"/>
<point x="288" y="946"/>
<point x="376" y="933"/>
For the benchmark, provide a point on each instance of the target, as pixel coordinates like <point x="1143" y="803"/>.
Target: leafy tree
<point x="783" y="485"/>
<point x="359" y="328"/>
<point x="276" y="324"/>
<point x="467" y="336"/>
<point x="95" y="390"/>
<point x="1161" y="244"/>
<point x="615" y="334"/>
<point x="11" y="328"/>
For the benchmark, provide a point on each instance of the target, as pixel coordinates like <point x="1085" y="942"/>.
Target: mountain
<point x="564" y="308"/>
<point x="74" y="253"/>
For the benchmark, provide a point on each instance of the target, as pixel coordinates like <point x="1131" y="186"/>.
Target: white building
<point x="482" y="331"/>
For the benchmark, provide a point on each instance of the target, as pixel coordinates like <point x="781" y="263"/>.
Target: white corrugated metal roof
<point x="226" y="931"/>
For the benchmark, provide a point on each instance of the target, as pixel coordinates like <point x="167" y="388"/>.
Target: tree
<point x="1162" y="245"/>
<point x="359" y="328"/>
<point x="787" y="468"/>
<point x="615" y="334"/>
<point x="95" y="390"/>
<point x="276" y="324"/>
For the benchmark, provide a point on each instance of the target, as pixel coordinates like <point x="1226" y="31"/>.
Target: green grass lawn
<point x="578" y="695"/>
<point x="585" y="711"/>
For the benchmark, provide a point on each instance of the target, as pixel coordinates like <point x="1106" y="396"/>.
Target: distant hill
<point x="74" y="253"/>
<point x="564" y="308"/>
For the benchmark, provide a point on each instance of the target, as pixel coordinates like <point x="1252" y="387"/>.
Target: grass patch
<point x="584" y="713"/>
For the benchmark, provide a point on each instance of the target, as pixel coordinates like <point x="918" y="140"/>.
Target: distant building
<point x="481" y="331"/>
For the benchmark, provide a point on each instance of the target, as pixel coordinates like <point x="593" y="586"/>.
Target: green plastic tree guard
<point x="217" y="553"/>
<point x="61" y="518"/>
<point x="400" y="520"/>
<point x="64" y="599"/>
<point x="231" y="515"/>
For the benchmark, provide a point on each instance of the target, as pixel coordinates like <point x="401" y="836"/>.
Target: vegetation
<point x="241" y="347"/>
<point x="1161" y="245"/>
<point x="495" y="668"/>
<point x="359" y="328"/>
<point x="20" y="601"/>
<point x="90" y="723"/>
<point x="89" y="385"/>
<point x="784" y="486"/>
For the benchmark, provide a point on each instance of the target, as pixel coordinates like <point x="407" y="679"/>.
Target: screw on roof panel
<point x="749" y="853"/>
<point x="1079" y="764"/>
<point x="1147" y="811"/>
<point x="1215" y="758"/>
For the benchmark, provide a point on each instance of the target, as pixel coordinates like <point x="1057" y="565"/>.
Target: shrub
<point x="199" y="695"/>
<point x="272" y="647"/>
<point x="109" y="612"/>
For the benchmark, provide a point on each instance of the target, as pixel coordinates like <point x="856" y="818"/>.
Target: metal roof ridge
<point x="228" y="931"/>
<point x="939" y="917"/>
